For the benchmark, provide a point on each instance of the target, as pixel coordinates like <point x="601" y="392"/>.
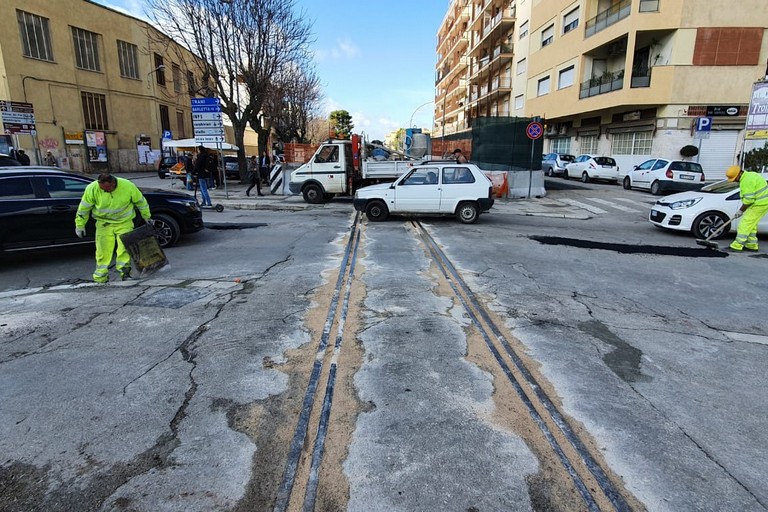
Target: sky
<point x="374" y="59"/>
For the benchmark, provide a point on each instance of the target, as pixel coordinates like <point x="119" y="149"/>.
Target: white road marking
<point x="585" y="206"/>
<point x="613" y="205"/>
<point x="645" y="204"/>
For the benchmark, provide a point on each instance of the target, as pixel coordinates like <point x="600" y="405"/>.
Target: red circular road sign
<point x="534" y="130"/>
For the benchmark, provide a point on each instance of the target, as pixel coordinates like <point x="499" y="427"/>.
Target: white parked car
<point x="591" y="167"/>
<point x="444" y="188"/>
<point x="702" y="211"/>
<point x="659" y="175"/>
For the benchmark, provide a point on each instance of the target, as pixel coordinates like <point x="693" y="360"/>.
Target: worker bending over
<point x="112" y="202"/>
<point x="754" y="204"/>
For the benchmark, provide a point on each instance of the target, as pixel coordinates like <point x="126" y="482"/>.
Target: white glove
<point x="80" y="232"/>
<point x="737" y="215"/>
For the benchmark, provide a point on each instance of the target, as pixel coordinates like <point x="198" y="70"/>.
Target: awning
<point x="190" y="143"/>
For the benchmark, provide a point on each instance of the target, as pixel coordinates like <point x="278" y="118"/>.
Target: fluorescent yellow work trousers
<point x="746" y="233"/>
<point x="107" y="236"/>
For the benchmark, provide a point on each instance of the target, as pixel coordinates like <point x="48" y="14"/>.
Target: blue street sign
<point x="205" y="101"/>
<point x="167" y="135"/>
<point x="206" y="108"/>
<point x="703" y="124"/>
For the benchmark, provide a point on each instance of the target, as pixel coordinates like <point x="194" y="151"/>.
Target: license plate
<point x="687" y="176"/>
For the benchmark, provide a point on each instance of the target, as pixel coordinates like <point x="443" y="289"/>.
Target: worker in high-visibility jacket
<point x="753" y="190"/>
<point x="112" y="202"/>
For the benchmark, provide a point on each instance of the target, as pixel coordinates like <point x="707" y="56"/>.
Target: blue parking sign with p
<point x="703" y="124"/>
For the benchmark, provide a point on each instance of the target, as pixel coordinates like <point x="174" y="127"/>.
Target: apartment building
<point x="105" y="86"/>
<point x="476" y="71"/>
<point x="628" y="78"/>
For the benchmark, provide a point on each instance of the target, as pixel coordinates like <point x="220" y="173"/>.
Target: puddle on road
<point x="662" y="250"/>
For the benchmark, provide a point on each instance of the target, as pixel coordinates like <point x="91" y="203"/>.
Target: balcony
<point x="503" y="20"/>
<point x="608" y="17"/>
<point x="607" y="82"/>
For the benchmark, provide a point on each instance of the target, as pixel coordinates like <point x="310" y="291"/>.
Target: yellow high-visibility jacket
<point x="753" y="189"/>
<point x="111" y="207"/>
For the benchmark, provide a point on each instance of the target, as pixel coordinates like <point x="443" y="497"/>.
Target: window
<point x="522" y="66"/>
<point x="589" y="144"/>
<point x="543" y="87"/>
<point x="165" y="120"/>
<point x="191" y="84"/>
<point x="561" y="145"/>
<point x="176" y="78"/>
<point x="457" y="175"/>
<point x="127" y="54"/>
<point x="519" y="100"/>
<point x="327" y="154"/>
<point x="632" y="143"/>
<point x="35" y="36"/>
<point x="159" y="72"/>
<point x="65" y="187"/>
<point x="421" y="176"/>
<point x="571" y="20"/>
<point x="523" y="30"/>
<point x="649" y="5"/>
<point x="566" y="78"/>
<point x="86" y="49"/>
<point x="16" y="188"/>
<point x="94" y="111"/>
<point x="547" y="35"/>
<point x="180" y="125"/>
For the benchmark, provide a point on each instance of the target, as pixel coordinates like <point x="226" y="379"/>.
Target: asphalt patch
<point x="173" y="298"/>
<point x="241" y="225"/>
<point x="662" y="250"/>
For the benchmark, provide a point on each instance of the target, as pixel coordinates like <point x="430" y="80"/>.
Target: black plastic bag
<point x="145" y="251"/>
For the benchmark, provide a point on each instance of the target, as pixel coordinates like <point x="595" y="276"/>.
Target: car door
<point x="419" y="191"/>
<point x="328" y="162"/>
<point x="23" y="214"/>
<point x="640" y="174"/>
<point x="63" y="197"/>
<point x="575" y="168"/>
<point x="456" y="184"/>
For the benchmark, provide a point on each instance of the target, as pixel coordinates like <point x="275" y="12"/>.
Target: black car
<point x="38" y="207"/>
<point x="232" y="167"/>
<point x="164" y="166"/>
<point x="7" y="161"/>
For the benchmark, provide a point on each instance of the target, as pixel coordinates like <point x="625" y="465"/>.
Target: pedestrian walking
<point x="189" y="168"/>
<point x="264" y="167"/>
<point x="112" y="202"/>
<point x="202" y="175"/>
<point x="459" y="156"/>
<point x="253" y="176"/>
<point x="50" y="160"/>
<point x="23" y="158"/>
<point x="753" y="191"/>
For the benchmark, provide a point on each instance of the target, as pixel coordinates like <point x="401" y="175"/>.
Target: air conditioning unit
<point x="563" y="130"/>
<point x="552" y="129"/>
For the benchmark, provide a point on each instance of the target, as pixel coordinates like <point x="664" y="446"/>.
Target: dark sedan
<point x="38" y="207"/>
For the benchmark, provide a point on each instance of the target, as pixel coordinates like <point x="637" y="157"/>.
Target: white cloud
<point x="344" y="49"/>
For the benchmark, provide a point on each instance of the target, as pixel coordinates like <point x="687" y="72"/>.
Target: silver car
<point x="553" y="164"/>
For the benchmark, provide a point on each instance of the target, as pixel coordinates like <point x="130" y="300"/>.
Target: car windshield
<point x="230" y="159"/>
<point x="721" y="187"/>
<point x="605" y="160"/>
<point x="170" y="160"/>
<point x="567" y="158"/>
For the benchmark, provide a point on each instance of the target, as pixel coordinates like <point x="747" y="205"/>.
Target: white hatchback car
<point x="444" y="188"/>
<point x="591" y="167"/>
<point x="702" y="211"/>
<point x="659" y="175"/>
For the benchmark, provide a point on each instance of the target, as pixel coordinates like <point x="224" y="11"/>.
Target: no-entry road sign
<point x="534" y="130"/>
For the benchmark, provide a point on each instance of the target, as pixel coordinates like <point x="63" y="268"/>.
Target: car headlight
<point x="189" y="203"/>
<point x="687" y="203"/>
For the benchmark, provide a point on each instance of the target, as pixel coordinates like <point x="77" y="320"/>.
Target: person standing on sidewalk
<point x="264" y="167"/>
<point x="112" y="202"/>
<point x="201" y="173"/>
<point x="253" y="175"/>
<point x="753" y="191"/>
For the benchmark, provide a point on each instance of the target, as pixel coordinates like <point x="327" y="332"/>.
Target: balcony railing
<point x="641" y="79"/>
<point x="502" y="48"/>
<point x="608" y="17"/>
<point x="608" y="82"/>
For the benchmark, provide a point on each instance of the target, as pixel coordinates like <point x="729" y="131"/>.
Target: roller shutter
<point x="718" y="152"/>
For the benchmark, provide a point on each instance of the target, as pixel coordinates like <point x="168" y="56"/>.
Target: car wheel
<point x="656" y="188"/>
<point x="627" y="183"/>
<point x="584" y="177"/>
<point x="707" y="223"/>
<point x="550" y="173"/>
<point x="376" y="211"/>
<point x="167" y="229"/>
<point x="161" y="175"/>
<point x="313" y="194"/>
<point x="565" y="174"/>
<point x="467" y="213"/>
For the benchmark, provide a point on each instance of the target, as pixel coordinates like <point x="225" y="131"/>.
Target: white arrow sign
<point x="212" y="138"/>
<point x="207" y="124"/>
<point x="209" y="131"/>
<point x="207" y="116"/>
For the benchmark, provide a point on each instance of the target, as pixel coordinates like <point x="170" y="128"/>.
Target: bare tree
<point x="293" y="100"/>
<point x="241" y="44"/>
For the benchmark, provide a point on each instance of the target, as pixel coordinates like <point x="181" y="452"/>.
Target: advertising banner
<point x="757" y="117"/>
<point x="97" y="146"/>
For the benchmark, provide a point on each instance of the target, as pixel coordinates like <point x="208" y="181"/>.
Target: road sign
<point x="703" y="127"/>
<point x="206" y="116"/>
<point x="16" y="106"/>
<point x="207" y="124"/>
<point x="167" y="135"/>
<point x="534" y="130"/>
<point x="209" y="131"/>
<point x="211" y="138"/>
<point x="17" y="117"/>
<point x="196" y="102"/>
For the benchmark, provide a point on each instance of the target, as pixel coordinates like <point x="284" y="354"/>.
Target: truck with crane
<point x="340" y="167"/>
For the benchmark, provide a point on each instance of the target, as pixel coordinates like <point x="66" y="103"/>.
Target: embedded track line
<point x="542" y="410"/>
<point x="322" y="355"/>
